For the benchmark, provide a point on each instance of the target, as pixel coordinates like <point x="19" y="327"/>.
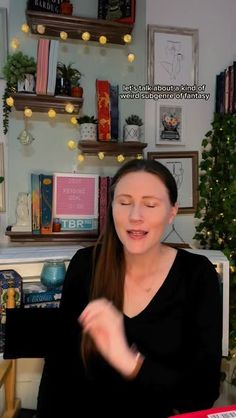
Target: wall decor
<point x="3" y="39"/>
<point x="169" y="124"/>
<point x="2" y="180"/>
<point x="172" y="57"/>
<point x="184" y="167"/>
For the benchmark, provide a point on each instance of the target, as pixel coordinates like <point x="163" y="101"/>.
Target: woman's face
<point x="141" y="211"/>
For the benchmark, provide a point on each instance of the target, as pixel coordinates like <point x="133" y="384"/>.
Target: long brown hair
<point x="109" y="268"/>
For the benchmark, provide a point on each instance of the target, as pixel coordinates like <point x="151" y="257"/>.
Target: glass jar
<point x="53" y="273"/>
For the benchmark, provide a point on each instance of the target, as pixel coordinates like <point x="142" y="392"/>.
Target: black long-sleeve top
<point x="179" y="332"/>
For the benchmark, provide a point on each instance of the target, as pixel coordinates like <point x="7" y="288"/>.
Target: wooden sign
<point x="49" y="6"/>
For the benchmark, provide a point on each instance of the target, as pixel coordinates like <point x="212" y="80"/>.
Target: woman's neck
<point x="145" y="264"/>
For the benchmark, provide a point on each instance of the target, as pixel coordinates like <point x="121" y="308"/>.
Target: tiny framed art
<point x="3" y="39"/>
<point x="184" y="167"/>
<point x="169" y="124"/>
<point x="172" y="56"/>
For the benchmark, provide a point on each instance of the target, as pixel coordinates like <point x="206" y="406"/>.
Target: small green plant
<point x="86" y="119"/>
<point x="17" y="65"/>
<point x="1" y="179"/>
<point x="134" y="120"/>
<point x="69" y="73"/>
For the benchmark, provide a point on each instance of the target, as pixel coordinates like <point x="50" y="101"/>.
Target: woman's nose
<point x="135" y="212"/>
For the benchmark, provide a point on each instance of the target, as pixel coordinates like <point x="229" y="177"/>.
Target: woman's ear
<point x="174" y="211"/>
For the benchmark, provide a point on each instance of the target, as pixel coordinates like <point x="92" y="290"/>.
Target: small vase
<point x="131" y="133"/>
<point x="77" y="91"/>
<point x="53" y="273"/>
<point x="88" y="132"/>
<point x="66" y="8"/>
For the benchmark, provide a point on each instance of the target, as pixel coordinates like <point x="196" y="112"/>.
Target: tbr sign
<point x="50" y="6"/>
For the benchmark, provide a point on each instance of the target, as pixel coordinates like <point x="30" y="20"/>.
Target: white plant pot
<point x="88" y="132"/>
<point x="26" y="85"/>
<point x="131" y="133"/>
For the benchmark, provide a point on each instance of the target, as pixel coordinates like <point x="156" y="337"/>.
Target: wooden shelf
<point x="74" y="26"/>
<point x="39" y="103"/>
<point x="112" y="148"/>
<point x="66" y="237"/>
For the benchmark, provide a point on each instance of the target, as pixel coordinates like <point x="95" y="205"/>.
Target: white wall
<point x="215" y="20"/>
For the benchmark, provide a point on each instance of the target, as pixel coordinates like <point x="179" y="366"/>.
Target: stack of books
<point x="35" y="295"/>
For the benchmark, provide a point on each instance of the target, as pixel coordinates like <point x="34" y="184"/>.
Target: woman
<point x="141" y="321"/>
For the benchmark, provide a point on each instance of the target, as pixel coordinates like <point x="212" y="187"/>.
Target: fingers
<point x="94" y="312"/>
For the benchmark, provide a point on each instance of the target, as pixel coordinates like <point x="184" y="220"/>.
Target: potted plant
<point x="132" y="128"/>
<point x="87" y="128"/>
<point x="67" y="78"/>
<point x="19" y="72"/>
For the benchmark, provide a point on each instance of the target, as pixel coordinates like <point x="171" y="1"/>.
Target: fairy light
<point x="73" y="120"/>
<point x="102" y="39"/>
<point x="120" y="158"/>
<point x="63" y="35"/>
<point x="101" y="155"/>
<point x="86" y="36"/>
<point x="51" y="113"/>
<point x="41" y="29"/>
<point x="10" y="101"/>
<point x="139" y="157"/>
<point x="80" y="158"/>
<point x="25" y="28"/>
<point x="131" y="57"/>
<point x="15" y="43"/>
<point x="69" y="108"/>
<point x="127" y="38"/>
<point x="71" y="144"/>
<point x="28" y="112"/>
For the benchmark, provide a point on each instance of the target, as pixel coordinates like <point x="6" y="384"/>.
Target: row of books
<point x="47" y="56"/>
<point x="77" y="202"/>
<point x="225" y="101"/>
<point x="35" y="295"/>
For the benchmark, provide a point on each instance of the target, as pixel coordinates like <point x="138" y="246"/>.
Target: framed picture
<point x="2" y="183"/>
<point x="75" y="200"/>
<point x="3" y="39"/>
<point x="169" y="124"/>
<point x="172" y="57"/>
<point x="184" y="167"/>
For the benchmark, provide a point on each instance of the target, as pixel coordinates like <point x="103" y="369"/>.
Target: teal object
<point x="53" y="273"/>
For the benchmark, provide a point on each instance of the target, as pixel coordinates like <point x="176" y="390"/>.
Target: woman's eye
<point x="124" y="203"/>
<point x="150" y="205"/>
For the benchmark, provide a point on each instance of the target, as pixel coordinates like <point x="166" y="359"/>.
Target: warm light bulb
<point x="131" y="57"/>
<point x="15" y="43"/>
<point x="71" y="144"/>
<point x="101" y="155"/>
<point x="86" y="36"/>
<point x="51" y="113"/>
<point x="69" y="108"/>
<point x="127" y="38"/>
<point x="80" y="158"/>
<point x="139" y="157"/>
<point x="41" y="29"/>
<point x="102" y="39"/>
<point x="73" y="120"/>
<point x="63" y="35"/>
<point x="25" y="28"/>
<point x="28" y="112"/>
<point x="10" y="101"/>
<point x="120" y="158"/>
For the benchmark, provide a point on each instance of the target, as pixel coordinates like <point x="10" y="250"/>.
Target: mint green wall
<point x="49" y="150"/>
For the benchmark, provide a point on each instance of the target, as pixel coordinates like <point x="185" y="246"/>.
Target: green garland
<point x="217" y="204"/>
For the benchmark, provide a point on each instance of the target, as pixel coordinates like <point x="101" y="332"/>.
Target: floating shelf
<point x="74" y="26"/>
<point x="54" y="237"/>
<point x="39" y="103"/>
<point x="112" y="148"/>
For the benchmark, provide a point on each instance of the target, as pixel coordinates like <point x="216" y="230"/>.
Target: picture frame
<point x="2" y="185"/>
<point x="169" y="129"/>
<point x="184" y="167"/>
<point x="3" y="39"/>
<point x="70" y="207"/>
<point x="172" y="57"/>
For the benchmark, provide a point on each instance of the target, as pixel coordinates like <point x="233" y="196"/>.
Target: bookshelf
<point x="74" y="26"/>
<point x="42" y="103"/>
<point x="112" y="148"/>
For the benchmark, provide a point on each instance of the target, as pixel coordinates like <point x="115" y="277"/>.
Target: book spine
<point x="114" y="94"/>
<point x="103" y="201"/>
<point x="103" y="106"/>
<point x="47" y="296"/>
<point x="46" y="183"/>
<point x="54" y="304"/>
<point x="35" y="203"/>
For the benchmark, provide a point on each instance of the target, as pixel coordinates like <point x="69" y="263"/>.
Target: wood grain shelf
<point x="65" y="237"/>
<point x="74" y="26"/>
<point x="42" y="103"/>
<point x="112" y="148"/>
